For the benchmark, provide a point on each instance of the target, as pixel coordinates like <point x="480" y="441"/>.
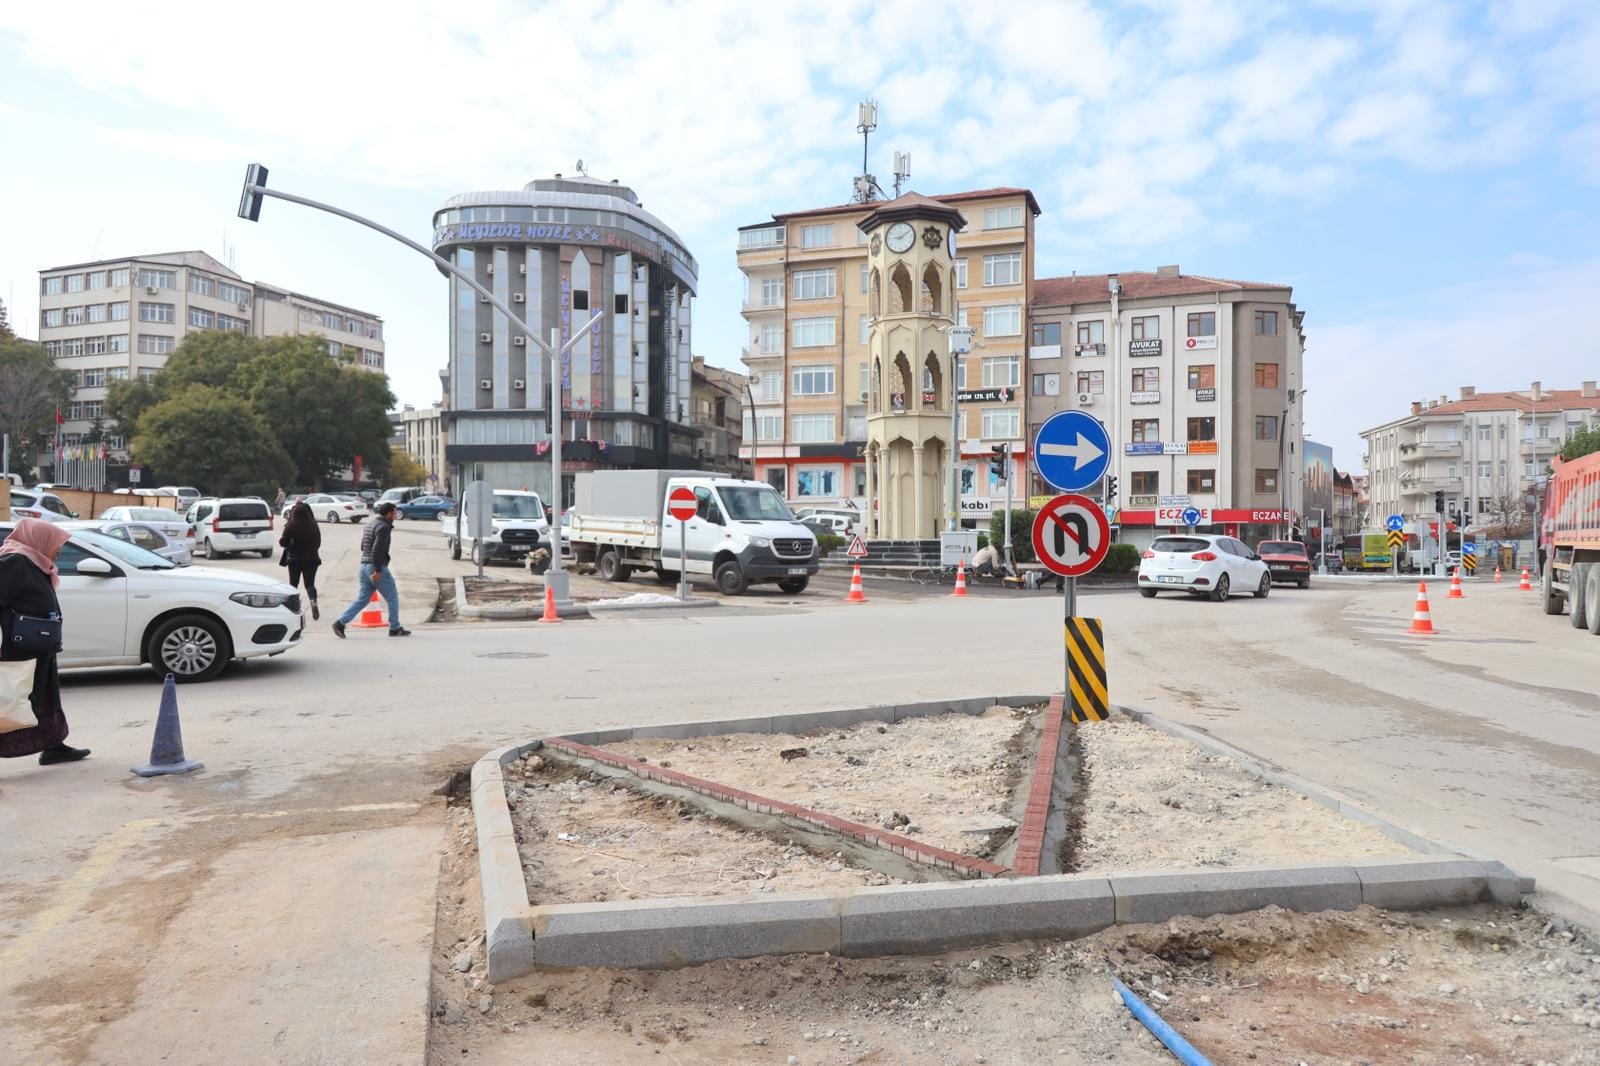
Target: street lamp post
<point x="960" y="338"/>
<point x="255" y="187"/>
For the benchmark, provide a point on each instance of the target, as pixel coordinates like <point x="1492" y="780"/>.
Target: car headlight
<point x="760" y="542"/>
<point x="262" y="599"/>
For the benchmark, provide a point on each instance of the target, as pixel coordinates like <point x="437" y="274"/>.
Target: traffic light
<point x="1438" y="502"/>
<point x="1111" y="487"/>
<point x="997" y="461"/>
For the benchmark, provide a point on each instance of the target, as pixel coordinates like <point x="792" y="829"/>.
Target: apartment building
<point x="1199" y="381"/>
<point x="421" y="433"/>
<point x="1484" y="450"/>
<point x="718" y="414"/>
<point x="807" y="304"/>
<point x="119" y="319"/>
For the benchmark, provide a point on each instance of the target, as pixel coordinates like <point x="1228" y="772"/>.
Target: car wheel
<point x="266" y="553"/>
<point x="794" y="585"/>
<point x="1306" y="583"/>
<point x="455" y="548"/>
<point x="1219" y="594"/>
<point x="1148" y="594"/>
<point x="190" y="647"/>
<point x="730" y="579"/>
<point x="1265" y="588"/>
<point x="1579" y="605"/>
<point x="333" y="516"/>
<point x="1553" y="601"/>
<point x="210" y="550"/>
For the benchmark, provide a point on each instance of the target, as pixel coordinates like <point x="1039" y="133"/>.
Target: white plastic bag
<point x="16" y="688"/>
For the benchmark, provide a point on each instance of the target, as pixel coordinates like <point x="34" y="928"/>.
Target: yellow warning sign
<point x="1086" y="671"/>
<point x="1397" y="541"/>
<point x="1470" y="562"/>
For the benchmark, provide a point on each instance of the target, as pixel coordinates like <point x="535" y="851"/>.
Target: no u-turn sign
<point x="1071" y="535"/>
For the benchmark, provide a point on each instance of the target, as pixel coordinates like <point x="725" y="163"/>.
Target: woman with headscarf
<point x="301" y="542"/>
<point x="28" y="580"/>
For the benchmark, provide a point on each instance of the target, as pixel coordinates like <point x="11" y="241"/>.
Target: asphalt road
<point x="277" y="906"/>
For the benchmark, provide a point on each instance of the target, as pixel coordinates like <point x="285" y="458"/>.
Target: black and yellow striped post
<point x="1086" y="671"/>
<point x="1397" y="540"/>
<point x="1470" y="562"/>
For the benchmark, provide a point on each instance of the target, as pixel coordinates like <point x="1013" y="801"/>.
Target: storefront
<point x="1141" y="527"/>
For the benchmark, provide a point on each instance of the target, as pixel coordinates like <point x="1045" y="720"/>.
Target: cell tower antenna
<point x="902" y="170"/>
<point x="866" y="186"/>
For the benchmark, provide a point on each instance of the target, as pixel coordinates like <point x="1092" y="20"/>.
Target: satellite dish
<point x="580" y="166"/>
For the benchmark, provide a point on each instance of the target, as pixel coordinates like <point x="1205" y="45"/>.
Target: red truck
<point x="1569" y="541"/>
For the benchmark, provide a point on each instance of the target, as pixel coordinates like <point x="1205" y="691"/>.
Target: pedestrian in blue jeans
<point x="375" y="572"/>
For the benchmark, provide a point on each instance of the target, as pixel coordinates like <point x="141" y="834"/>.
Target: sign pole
<point x="683" y="559"/>
<point x="1009" y="570"/>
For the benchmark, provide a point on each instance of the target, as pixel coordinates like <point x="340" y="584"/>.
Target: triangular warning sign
<point x="858" y="547"/>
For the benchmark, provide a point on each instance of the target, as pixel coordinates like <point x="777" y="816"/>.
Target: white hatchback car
<point x="232" y="525"/>
<point x="172" y="525"/>
<point x="1204" y="564"/>
<point x="124" y="606"/>
<point x="38" y="503"/>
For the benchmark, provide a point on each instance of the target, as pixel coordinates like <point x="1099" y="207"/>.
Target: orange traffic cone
<point x="550" y="606"/>
<point x="1497" y="574"/>
<point x="1455" y="592"/>
<point x="1524" y="587"/>
<point x="961" y="578"/>
<point x="1421" y="620"/>
<point x="856" y="595"/>
<point x="371" y="616"/>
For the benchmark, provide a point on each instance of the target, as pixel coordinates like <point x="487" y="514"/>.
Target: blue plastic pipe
<point x="1163" y="1032"/>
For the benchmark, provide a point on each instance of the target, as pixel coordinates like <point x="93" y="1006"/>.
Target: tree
<point x="32" y="389"/>
<point x="1584" y="441"/>
<point x="1509" y="517"/>
<point x="206" y="437"/>
<point x="404" y="470"/>
<point x="6" y="332"/>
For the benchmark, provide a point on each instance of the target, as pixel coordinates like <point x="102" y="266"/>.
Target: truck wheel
<point x="794" y="585"/>
<point x="1579" y="605"/>
<point x="455" y="548"/>
<point x="1554" y="602"/>
<point x="665" y="577"/>
<point x="1591" y="593"/>
<point x="730" y="579"/>
<point x="611" y="567"/>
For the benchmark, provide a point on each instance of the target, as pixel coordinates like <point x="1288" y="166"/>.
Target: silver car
<point x="144" y="535"/>
<point x="172" y="525"/>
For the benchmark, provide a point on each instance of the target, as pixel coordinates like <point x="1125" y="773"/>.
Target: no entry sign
<point x="680" y="504"/>
<point x="1071" y="535"/>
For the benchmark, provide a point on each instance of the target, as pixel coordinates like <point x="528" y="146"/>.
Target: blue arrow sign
<point x="1071" y="450"/>
<point x="1396" y="523"/>
<point x="1191" y="516"/>
<point x="1469" y="548"/>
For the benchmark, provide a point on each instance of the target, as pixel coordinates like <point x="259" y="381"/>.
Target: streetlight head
<point x="255" y="179"/>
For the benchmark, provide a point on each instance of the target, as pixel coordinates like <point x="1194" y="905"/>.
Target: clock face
<point x="901" y="236"/>
<point x="952" y="242"/>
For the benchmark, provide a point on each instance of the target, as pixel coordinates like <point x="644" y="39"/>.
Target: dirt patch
<point x="1151" y="800"/>
<point x="588" y="839"/>
<point x="1479" y="985"/>
<point x="945" y="780"/>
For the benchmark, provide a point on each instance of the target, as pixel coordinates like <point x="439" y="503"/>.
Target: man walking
<point x="375" y="573"/>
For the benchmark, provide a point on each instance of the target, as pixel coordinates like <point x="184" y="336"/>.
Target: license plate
<point x="1169" y="579"/>
<point x="246" y="532"/>
<point x="797" y="571"/>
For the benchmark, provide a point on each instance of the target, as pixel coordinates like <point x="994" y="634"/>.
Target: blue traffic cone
<point x="166" y="751"/>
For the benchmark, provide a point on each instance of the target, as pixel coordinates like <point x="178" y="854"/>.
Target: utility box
<point x="957" y="546"/>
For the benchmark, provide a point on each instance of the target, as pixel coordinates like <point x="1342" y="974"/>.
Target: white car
<point x="172" y="525"/>
<point x="233" y="525"/>
<point x="37" y="503"/>
<point x="124" y="606"/>
<point x="1204" y="564"/>
<point x="326" y="507"/>
<point x="187" y="494"/>
<point x="143" y="535"/>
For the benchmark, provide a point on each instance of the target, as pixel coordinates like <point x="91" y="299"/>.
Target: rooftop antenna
<point x="866" y="186"/>
<point x="902" y="170"/>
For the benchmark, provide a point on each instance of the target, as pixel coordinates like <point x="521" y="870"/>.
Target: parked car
<point x="425" y="507"/>
<point x="828" y="522"/>
<point x="289" y="502"/>
<point x="232" y="525"/>
<point x="405" y="495"/>
<point x="142" y="535"/>
<point x="37" y="503"/>
<point x="1286" y="561"/>
<point x="330" y="508"/>
<point x="172" y="525"/>
<point x="125" y="606"/>
<point x="187" y="494"/>
<point x="1335" y="562"/>
<point x="1204" y="564"/>
<point x="517" y="526"/>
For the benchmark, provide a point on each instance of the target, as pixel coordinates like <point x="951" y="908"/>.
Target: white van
<point x="232" y="525"/>
<point x="519" y="527"/>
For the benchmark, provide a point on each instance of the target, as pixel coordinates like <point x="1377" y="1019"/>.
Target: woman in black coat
<point x="28" y="580"/>
<point x="301" y="542"/>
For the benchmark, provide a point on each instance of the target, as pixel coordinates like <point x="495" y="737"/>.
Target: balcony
<point x="758" y="306"/>
<point x="1544" y="446"/>
<point x="1427" y="486"/>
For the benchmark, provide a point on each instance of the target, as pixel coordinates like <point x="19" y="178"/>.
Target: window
<point x="200" y="318"/>
<point x="961" y="373"/>
<point x="1203" y="324"/>
<point x="1146" y="429"/>
<point x="228" y="322"/>
<point x="1001" y="371"/>
<point x="1146" y="328"/>
<point x="1450" y="470"/>
<point x="1485" y="505"/>
<point x="1202" y="481"/>
<point x="53" y="286"/>
<point x="580" y="301"/>
<point x="201" y="285"/>
<point x="1003" y="269"/>
<point x="767" y="237"/>
<point x="1001" y="423"/>
<point x="159" y="279"/>
<point x="74" y="282"/>
<point x="1266" y="323"/>
<point x="97" y="279"/>
<point x="1484" y="431"/>
<point x="1002" y="321"/>
<point x="1002" y="217"/>
<point x="813" y="284"/>
<point x="119" y="311"/>
<point x="155" y="312"/>
<point x="1266" y="375"/>
<point x="771" y="386"/>
<point x="94" y="346"/>
<point x="771" y="292"/>
<point x="96" y="312"/>
<point x="1092" y="332"/>
<point x="72" y="346"/>
<point x="335" y="349"/>
<point x="811" y="429"/>
<point x="117" y="373"/>
<point x="1147" y="379"/>
<point x="819" y="236"/>
<point x="1503" y="470"/>
<point x="769" y="427"/>
<point x="1485" y="469"/>
<point x="1502" y="431"/>
<point x="151" y="345"/>
<point x="1266" y="427"/>
<point x="234" y="294"/>
<point x="147" y="374"/>
<point x="778" y="478"/>
<point x="961" y="317"/>
<point x="812" y="332"/>
<point x="75" y="409"/>
<point x="74" y="316"/>
<point x="961" y="273"/>
<point x="817" y="481"/>
<point x="1202" y="428"/>
<point x="50" y="317"/>
<point x="771" y="338"/>
<point x="1046" y="334"/>
<point x="1203" y="377"/>
<point x="1145" y="482"/>
<point x="1266" y="480"/>
<point x="863" y="279"/>
<point x="117" y="343"/>
<point x="1092" y="381"/>
<point x="94" y="378"/>
<point x="91" y="409"/>
<point x="119" y="277"/>
<point x="1047" y="384"/>
<point x="812" y="380"/>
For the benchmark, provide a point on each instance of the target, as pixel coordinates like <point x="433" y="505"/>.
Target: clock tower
<point x="911" y="289"/>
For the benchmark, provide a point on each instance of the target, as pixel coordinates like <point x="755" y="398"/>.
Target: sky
<point x="1424" y="174"/>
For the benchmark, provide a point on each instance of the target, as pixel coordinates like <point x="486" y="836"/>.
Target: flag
<point x="59" y="419"/>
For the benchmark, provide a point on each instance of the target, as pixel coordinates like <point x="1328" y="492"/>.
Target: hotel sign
<point x="544" y="233"/>
<point x="1138" y="348"/>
